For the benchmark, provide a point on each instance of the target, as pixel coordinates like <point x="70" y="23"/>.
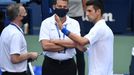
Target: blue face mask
<point x="61" y="12"/>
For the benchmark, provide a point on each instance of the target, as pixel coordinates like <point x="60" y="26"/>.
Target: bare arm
<point x="84" y="6"/>
<point x="76" y="38"/>
<point x="65" y="43"/>
<point x="80" y="40"/>
<point x="18" y="58"/>
<point x="47" y="45"/>
<point x="81" y="48"/>
<point x="69" y="44"/>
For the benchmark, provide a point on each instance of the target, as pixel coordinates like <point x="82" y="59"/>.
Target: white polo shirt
<point x="49" y="31"/>
<point x="12" y="42"/>
<point x="100" y="49"/>
<point x="133" y="51"/>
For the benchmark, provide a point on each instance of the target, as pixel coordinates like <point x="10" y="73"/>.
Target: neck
<point x="63" y="19"/>
<point x="97" y="19"/>
<point x="18" y="23"/>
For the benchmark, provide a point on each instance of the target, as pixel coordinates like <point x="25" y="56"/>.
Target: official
<point x="13" y="46"/>
<point x="58" y="48"/>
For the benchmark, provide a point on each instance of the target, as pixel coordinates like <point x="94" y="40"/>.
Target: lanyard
<point x="16" y="27"/>
<point x="59" y="32"/>
<point x="60" y="35"/>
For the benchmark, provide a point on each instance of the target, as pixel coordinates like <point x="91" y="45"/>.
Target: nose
<point x="87" y="13"/>
<point x="25" y="14"/>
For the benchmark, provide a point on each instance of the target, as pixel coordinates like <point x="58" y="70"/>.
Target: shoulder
<point x="71" y="20"/>
<point x="11" y="31"/>
<point x="49" y="19"/>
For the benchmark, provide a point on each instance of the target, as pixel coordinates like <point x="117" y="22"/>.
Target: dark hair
<point x="97" y="4"/>
<point x="13" y="11"/>
<point x="54" y="2"/>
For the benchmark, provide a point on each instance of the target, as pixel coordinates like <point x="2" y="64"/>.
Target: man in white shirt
<point x="99" y="40"/>
<point x="13" y="47"/>
<point x="59" y="50"/>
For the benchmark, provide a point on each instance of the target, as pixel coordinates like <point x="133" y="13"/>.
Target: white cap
<point x="133" y="51"/>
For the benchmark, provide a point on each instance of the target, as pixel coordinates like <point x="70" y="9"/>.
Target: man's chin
<point x="90" y="20"/>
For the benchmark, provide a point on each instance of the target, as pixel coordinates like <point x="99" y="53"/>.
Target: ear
<point x="54" y="6"/>
<point x="98" y="11"/>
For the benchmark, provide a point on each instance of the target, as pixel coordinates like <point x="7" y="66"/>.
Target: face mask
<point x="25" y="19"/>
<point x="61" y="12"/>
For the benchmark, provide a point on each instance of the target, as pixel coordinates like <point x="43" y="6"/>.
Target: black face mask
<point x="61" y="12"/>
<point x="25" y="19"/>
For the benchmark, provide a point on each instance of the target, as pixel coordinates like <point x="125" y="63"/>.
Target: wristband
<point x="65" y="31"/>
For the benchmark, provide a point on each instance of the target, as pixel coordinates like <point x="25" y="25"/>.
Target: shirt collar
<point x="100" y="21"/>
<point x="17" y="27"/>
<point x="54" y="21"/>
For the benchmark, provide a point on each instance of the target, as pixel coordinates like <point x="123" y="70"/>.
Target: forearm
<point x="17" y="58"/>
<point x="70" y="44"/>
<point x="65" y="43"/>
<point x="47" y="45"/>
<point x="81" y="48"/>
<point x="52" y="47"/>
<point x="78" y="39"/>
<point x="84" y="5"/>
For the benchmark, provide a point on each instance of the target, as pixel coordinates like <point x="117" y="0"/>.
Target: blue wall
<point x="10" y="1"/>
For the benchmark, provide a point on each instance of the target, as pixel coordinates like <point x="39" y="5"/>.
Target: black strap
<point x="16" y="27"/>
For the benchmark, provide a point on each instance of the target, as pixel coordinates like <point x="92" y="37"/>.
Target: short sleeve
<point x="77" y="26"/>
<point x="94" y="35"/>
<point x="16" y="44"/>
<point x="44" y="32"/>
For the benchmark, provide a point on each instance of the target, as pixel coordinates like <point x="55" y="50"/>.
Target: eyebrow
<point x="89" y="10"/>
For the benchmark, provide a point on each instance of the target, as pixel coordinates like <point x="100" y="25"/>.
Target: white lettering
<point x="108" y="17"/>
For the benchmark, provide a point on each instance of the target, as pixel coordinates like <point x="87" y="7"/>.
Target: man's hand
<point x="33" y="55"/>
<point x="59" y="23"/>
<point x="81" y="48"/>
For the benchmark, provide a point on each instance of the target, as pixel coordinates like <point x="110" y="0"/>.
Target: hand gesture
<point x="58" y="20"/>
<point x="33" y="55"/>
